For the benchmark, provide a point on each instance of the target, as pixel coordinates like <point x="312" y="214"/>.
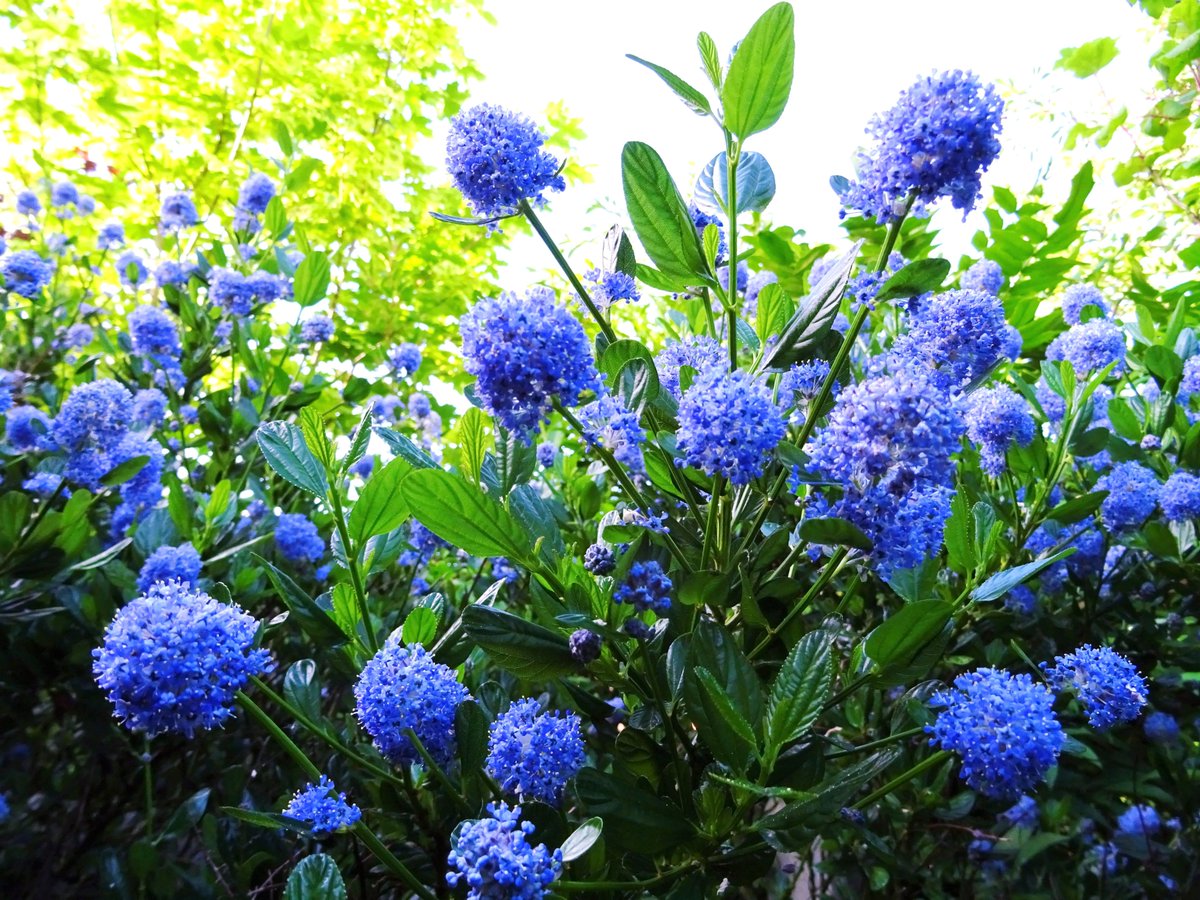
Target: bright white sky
<point x="852" y="59"/>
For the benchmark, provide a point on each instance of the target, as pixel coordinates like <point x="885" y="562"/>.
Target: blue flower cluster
<point x="149" y="407"/>
<point x="984" y="275"/>
<point x="111" y="236"/>
<point x="585" y="645"/>
<point x="298" y="539"/>
<point x="1133" y="492"/>
<point x="1090" y="347"/>
<point x="316" y="329"/>
<point x="25" y="272"/>
<point x="1179" y="498"/>
<point x="729" y="425"/>
<point x="533" y="754"/>
<point x="178" y="564"/>
<point x="526" y="353"/>
<point x="1161" y="728"/>
<point x="495" y="860"/>
<point x="957" y="335"/>
<point x="1107" y="684"/>
<point x="997" y="418"/>
<point x="703" y="354"/>
<point x="239" y="294"/>
<point x="935" y="142"/>
<point x="177" y="212"/>
<point x="496" y="160"/>
<point x="174" y="658"/>
<point x="646" y="586"/>
<point x="1077" y="298"/>
<point x="599" y="560"/>
<point x="702" y="220"/>
<point x="1003" y="728"/>
<point x="405" y="359"/>
<point x="608" y="288"/>
<point x="401" y="688"/>
<point x="547" y="454"/>
<point x="322" y="808"/>
<point x="609" y="424"/>
<point x="25" y="428"/>
<point x="155" y="338"/>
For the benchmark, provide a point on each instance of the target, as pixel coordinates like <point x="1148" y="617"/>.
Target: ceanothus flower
<point x="607" y="288"/>
<point x="957" y="335"/>
<point x="154" y="336"/>
<point x="418" y="405"/>
<point x="316" y="329"/>
<point x="111" y="236"/>
<point x="547" y="453"/>
<point x="298" y="539"/>
<point x="45" y="484"/>
<point x="177" y="212"/>
<point x="496" y="160"/>
<point x="1003" y="728"/>
<point x="1077" y="298"/>
<point x="1107" y="684"/>
<point x="700" y="353"/>
<point x="701" y="220"/>
<point x="533" y="754"/>
<point x="1013" y="343"/>
<point x="255" y="194"/>
<point x="63" y="195"/>
<point x="1189" y="383"/>
<point x="494" y="858"/>
<point x="131" y="269"/>
<point x="405" y="359"/>
<point x="729" y="425"/>
<point x="25" y="272"/>
<point x="996" y="419"/>
<point x="179" y="564"/>
<point x="984" y="275"/>
<point x="1161" y="728"/>
<point x="90" y="426"/>
<point x="24" y="428"/>
<point x="754" y="287"/>
<point x="78" y="336"/>
<point x="173" y="273"/>
<point x="1139" y="819"/>
<point x="1090" y="346"/>
<point x="608" y="423"/>
<point x="322" y="808"/>
<point x="647" y="587"/>
<point x="585" y="645"/>
<point x="935" y="142"/>
<point x="599" y="560"/>
<point x="1179" y="498"/>
<point x="363" y="467"/>
<point x="743" y="276"/>
<point x="149" y="407"/>
<point x="401" y="688"/>
<point x="1022" y="814"/>
<point x="231" y="290"/>
<point x="28" y="203"/>
<point x="267" y="287"/>
<point x="174" y="658"/>
<point x="526" y="353"/>
<point x="1133" y="492"/>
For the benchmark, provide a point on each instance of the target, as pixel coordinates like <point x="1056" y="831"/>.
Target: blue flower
<point x="90" y="426"/>
<point x="111" y="236"/>
<point x="729" y="425"/>
<point x="599" y="560"/>
<point x="149" y="407"/>
<point x="985" y="275"/>
<point x="1133" y="492"/>
<point x="534" y="754"/>
<point x="1140" y="820"/>
<point x="935" y="142"/>
<point x="28" y="203"/>
<point x="996" y="419"/>
<point x="743" y="276"/>
<point x="298" y="539"/>
<point x="702" y="220"/>
<point x="803" y="380"/>
<point x="1021" y="601"/>
<point x="1002" y="726"/>
<point x="131" y="269"/>
<point x="174" y="658"/>
<point x="155" y="337"/>
<point x="647" y="587"/>
<point x="1180" y="497"/>
<point x="1077" y="298"/>
<point x="423" y="543"/>
<point x="1022" y="814"/>
<point x="1189" y="383"/>
<point x="401" y="688"/>
<point x="496" y="160"/>
<point x="958" y="335"/>
<point x="45" y="484"/>
<point x="62" y="195"/>
<point x="178" y="212"/>
<point x="526" y="353"/>
<point x="700" y="353"/>
<point x="754" y="287"/>
<point x="363" y="467"/>
<point x="494" y="858"/>
<point x="405" y="359"/>
<point x="255" y="194"/>
<point x="231" y="290"/>
<point x="322" y="808"/>
<point x="266" y="287"/>
<point x="78" y="336"/>
<point x="25" y="272"/>
<point x="1013" y="343"/>
<point x="172" y="272"/>
<point x="179" y="564"/>
<point x="25" y="428"/>
<point x="585" y="645"/>
<point x="1106" y="683"/>
<point x="608" y="288"/>
<point x="547" y="453"/>
<point x="1090" y="347"/>
<point x="609" y="424"/>
<point x="418" y="405"/>
<point x="316" y="329"/>
<point x="1161" y="728"/>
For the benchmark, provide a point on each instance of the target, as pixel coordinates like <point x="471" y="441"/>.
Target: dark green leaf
<point x="315" y="877"/>
<point x="760" y="76"/>
<point x="659" y="214"/>
<point x="420" y="627"/>
<point x="403" y="447"/>
<point x="516" y="645"/>
<point x="460" y="513"/>
<point x="284" y="448"/>
<point x="471" y="735"/>
<point x="1003" y="582"/>
<point x="899" y="640"/>
<point x="814" y="318"/>
<point x="634" y="818"/>
<point x="800" y="689"/>
<point x="918" y="277"/>
<point x="314" y="619"/>
<point x="831" y="531"/>
<point x="1077" y="508"/>
<point x="123" y="472"/>
<point x="726" y="732"/>
<point x="301" y="688"/>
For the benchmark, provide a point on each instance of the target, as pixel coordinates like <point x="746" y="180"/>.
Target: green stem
<point x="733" y="153"/>
<point x="527" y="211"/>
<point x="385" y="856"/>
<point x="928" y="763"/>
<point x="351" y="553"/>
<point x="875" y="745"/>
<point x="436" y="771"/>
<point x="584" y="886"/>
<point x="148" y="784"/>
<point x="831" y="569"/>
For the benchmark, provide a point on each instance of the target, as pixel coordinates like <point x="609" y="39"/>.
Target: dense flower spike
<point x="599" y="560"/>
<point x="1022" y="814"/>
<point x="646" y="586"/>
<point x="609" y="424"/>
<point x="1090" y="347"/>
<point x="322" y="808"/>
<point x="1079" y="297"/>
<point x="25" y="428"/>
<point x="704" y="354"/>
<point x="1161" y="728"/>
<point x="173" y="659"/>
<point x="405" y="359"/>
<point x="401" y="688"/>
<point x="533" y="754"/>
<point x="149" y="407"/>
<point x="495" y="860"/>
<point x="957" y="335"/>
<point x="1179" y="498"/>
<point x="1140" y="819"/>
<point x="298" y="539"/>
<point x="547" y="454"/>
<point x="155" y="336"/>
<point x="177" y="212"/>
<point x="1133" y="492"/>
<point x="585" y="645"/>
<point x="90" y="427"/>
<point x="729" y="425"/>
<point x="111" y="236"/>
<point x="255" y="194"/>
<point x="526" y="353"/>
<point x="25" y="272"/>
<point x="131" y="269"/>
<point x="984" y="275"/>
<point x="28" y="203"/>
<point x="316" y="329"/>
<point x="935" y="142"/>
<point x="179" y="564"/>
<point x="996" y="419"/>
<point x="1003" y="728"/>
<point x="496" y="160"/>
<point x="607" y="288"/>
<point x="1106" y="683"/>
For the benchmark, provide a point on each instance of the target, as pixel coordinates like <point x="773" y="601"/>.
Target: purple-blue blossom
<point x="608" y="423"/>
<point x="607" y="288"/>
<point x="493" y="857"/>
<point x="1179" y="498"/>
<point x="25" y="272"/>
<point x="701" y="353"/>
<point x="997" y="418"/>
<point x="177" y="212"/>
<point x="958" y="336"/>
<point x="1133" y="492"/>
<point x="131" y="269"/>
<point x="179" y="564"/>
<point x="24" y="428"/>
<point x="322" y="809"/>
<point x="298" y="539"/>
<point x="1077" y="298"/>
<point x="729" y="425"/>
<point x="533" y="754"/>
<point x="1108" y="685"/>
<point x="647" y="587"/>
<point x="1090" y="347"/>
<point x="984" y="275"/>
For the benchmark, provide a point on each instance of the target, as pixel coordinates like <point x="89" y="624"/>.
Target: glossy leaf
<point x="380" y="506"/>
<point x="659" y="214"/>
<point x="759" y="81"/>
<point x="315" y="877"/>
<point x="799" y="691"/>
<point x="524" y="648"/>
<point x="462" y="514"/>
<point x="284" y="448"/>
<point x="755" y="184"/>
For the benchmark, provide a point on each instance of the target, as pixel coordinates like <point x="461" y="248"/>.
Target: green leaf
<point x="634" y="818"/>
<point x="122" y="473"/>
<point x="380" y="506"/>
<point x="362" y="437"/>
<point x="403" y="447"/>
<point x="631" y="372"/>
<point x="659" y="214"/>
<point x="420" y="627"/>
<point x="1077" y="508"/>
<point x="775" y="307"/>
<point x="755" y="184"/>
<point x="727" y="733"/>
<point x="301" y="688"/>
<point x="315" y="877"/>
<point x="218" y="501"/>
<point x="760" y="76"/>
<point x="312" y="426"/>
<point x="284" y="449"/>
<point x="271" y="821"/>
<point x="581" y="839"/>
<point x="814" y="318"/>
<point x="471" y="735"/>
<point x="473" y="441"/>
<point x="695" y="100"/>
<point x="900" y="639"/>
<point x="831" y="794"/>
<point x="1003" y="582"/>
<point x="710" y="56"/>
<point x="800" y="689"/>
<point x="524" y="648"/>
<point x="918" y="277"/>
<point x="959" y="535"/>
<point x="314" y="619"/>
<point x="616" y="254"/>
<point x="312" y="279"/>
<point x="827" y="531"/>
<point x="1089" y="58"/>
<point x="462" y="514"/>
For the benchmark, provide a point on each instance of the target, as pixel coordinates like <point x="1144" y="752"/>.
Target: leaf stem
<point x="351" y="554"/>
<point x="928" y="762"/>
